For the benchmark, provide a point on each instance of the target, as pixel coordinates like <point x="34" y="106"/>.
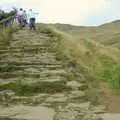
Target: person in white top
<point x="25" y="17"/>
<point x="32" y="19"/>
<point x="20" y="17"/>
<point x="20" y="12"/>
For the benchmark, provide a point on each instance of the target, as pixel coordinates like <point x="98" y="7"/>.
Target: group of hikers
<point x="24" y="18"/>
<point x="21" y="17"/>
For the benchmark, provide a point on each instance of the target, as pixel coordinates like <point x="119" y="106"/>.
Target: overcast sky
<point x="76" y="12"/>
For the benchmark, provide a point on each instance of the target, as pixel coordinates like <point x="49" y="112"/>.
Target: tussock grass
<point x="6" y="34"/>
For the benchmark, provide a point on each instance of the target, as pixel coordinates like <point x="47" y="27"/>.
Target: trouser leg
<point x="34" y="27"/>
<point x="32" y="23"/>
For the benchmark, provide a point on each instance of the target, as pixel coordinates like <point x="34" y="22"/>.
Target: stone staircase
<point x="29" y="57"/>
<point x="34" y="86"/>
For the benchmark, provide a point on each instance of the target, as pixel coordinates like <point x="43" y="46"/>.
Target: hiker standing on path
<point x="32" y="19"/>
<point x="20" y="17"/>
<point x="25" y="17"/>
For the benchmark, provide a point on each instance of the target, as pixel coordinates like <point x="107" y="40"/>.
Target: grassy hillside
<point x="6" y="34"/>
<point x="95" y="61"/>
<point x="107" y="34"/>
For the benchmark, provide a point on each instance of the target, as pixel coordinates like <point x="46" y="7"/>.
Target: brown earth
<point x="110" y="99"/>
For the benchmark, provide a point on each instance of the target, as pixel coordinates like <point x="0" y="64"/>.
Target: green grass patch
<point x="117" y="92"/>
<point x="110" y="71"/>
<point x="9" y="68"/>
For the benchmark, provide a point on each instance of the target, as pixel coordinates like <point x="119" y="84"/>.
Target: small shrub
<point x="6" y="34"/>
<point x="9" y="68"/>
<point x="110" y="72"/>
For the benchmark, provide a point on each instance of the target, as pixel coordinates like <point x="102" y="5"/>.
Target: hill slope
<point x="55" y="69"/>
<point x="107" y="34"/>
<point x="90" y="51"/>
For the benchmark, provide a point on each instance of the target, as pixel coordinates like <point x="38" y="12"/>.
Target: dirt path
<point x="111" y="100"/>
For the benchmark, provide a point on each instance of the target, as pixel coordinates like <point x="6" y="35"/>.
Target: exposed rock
<point x="76" y="94"/>
<point x="76" y="85"/>
<point x="56" y="99"/>
<point x="27" y="112"/>
<point x="81" y="106"/>
<point x="76" y="114"/>
<point x="98" y="109"/>
<point x="65" y="115"/>
<point x="110" y="116"/>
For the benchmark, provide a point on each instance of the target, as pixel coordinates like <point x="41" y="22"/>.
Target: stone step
<point x="42" y="49"/>
<point x="25" y="69"/>
<point x="25" y="55"/>
<point x="29" y="60"/>
<point x="18" y="44"/>
<point x="29" y="54"/>
<point x="41" y="36"/>
<point x="81" y="106"/>
<point x="28" y="63"/>
<point x="110" y="116"/>
<point x="76" y="94"/>
<point x="77" y="85"/>
<point x="12" y="49"/>
<point x="29" y="37"/>
<point x="39" y="39"/>
<point x="21" y="112"/>
<point x="40" y="67"/>
<point x="30" y="80"/>
<point x="28" y="41"/>
<point x="3" y="47"/>
<point x="41" y="46"/>
<point x="29" y="74"/>
<point x="33" y="70"/>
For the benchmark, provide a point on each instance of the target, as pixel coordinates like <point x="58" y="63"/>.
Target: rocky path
<point x="34" y="86"/>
